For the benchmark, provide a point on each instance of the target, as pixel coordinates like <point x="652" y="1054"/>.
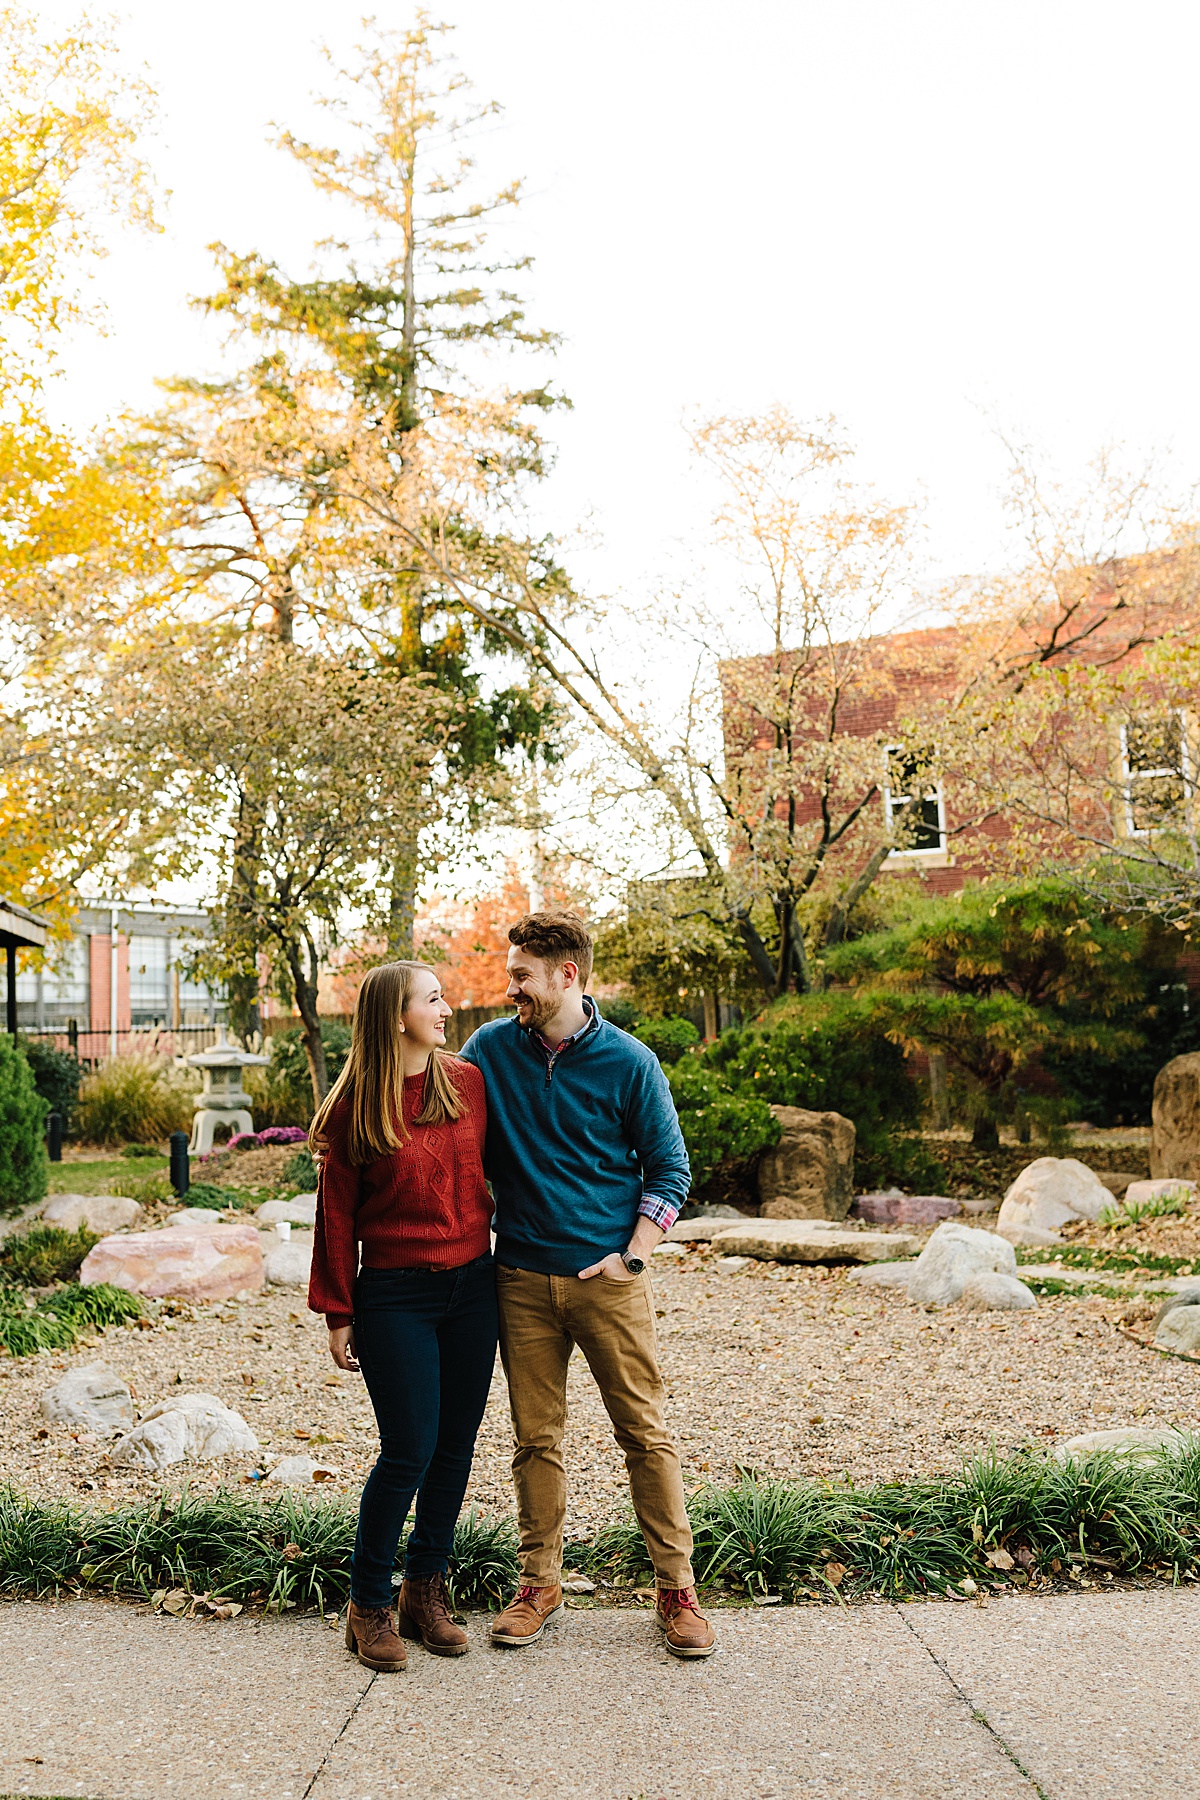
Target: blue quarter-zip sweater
<point x="573" y="1144"/>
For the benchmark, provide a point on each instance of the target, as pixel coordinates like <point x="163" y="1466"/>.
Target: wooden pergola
<point x="19" y="930"/>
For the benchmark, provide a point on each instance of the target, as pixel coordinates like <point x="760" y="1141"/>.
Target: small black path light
<point x="180" y="1177"/>
<point x="54" y="1136"/>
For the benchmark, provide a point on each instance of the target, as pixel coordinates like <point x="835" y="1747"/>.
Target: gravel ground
<point x="794" y="1371"/>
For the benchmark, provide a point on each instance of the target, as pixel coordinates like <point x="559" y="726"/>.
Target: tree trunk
<point x="843" y="906"/>
<point x="712" y="1016"/>
<point x="939" y="1103"/>
<point x="402" y="906"/>
<point x="985" y="1133"/>
<point x="757" y="951"/>
<point x="800" y="958"/>
<point x="304" y="990"/>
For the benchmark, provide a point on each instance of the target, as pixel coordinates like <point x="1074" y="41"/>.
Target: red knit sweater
<point x="425" y="1206"/>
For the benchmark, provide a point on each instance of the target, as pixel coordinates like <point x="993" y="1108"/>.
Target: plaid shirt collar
<point x="553" y="1051"/>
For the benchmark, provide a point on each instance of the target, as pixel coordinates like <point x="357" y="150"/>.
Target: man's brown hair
<point x="557" y="935"/>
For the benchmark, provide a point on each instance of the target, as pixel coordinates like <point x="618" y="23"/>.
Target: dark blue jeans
<point x="426" y="1343"/>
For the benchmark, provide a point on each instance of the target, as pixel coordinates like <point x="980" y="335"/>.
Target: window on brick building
<point x="911" y="805"/>
<point x="1154" y="756"/>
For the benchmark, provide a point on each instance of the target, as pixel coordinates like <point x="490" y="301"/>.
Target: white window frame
<point x="890" y="801"/>
<point x="1129" y="775"/>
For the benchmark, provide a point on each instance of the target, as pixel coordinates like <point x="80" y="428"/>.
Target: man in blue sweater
<point x="588" y="1170"/>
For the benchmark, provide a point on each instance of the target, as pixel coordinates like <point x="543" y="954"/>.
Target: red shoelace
<point x="673" y="1600"/>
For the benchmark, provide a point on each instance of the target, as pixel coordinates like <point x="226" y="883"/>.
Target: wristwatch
<point x="634" y="1264"/>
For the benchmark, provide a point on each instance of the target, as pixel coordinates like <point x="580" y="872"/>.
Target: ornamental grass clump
<point x="44" y="1254"/>
<point x="135" y="1098"/>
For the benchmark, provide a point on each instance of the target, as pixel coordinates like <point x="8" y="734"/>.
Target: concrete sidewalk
<point x="1085" y="1697"/>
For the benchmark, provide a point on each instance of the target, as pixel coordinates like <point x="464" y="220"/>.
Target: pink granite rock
<point x="904" y="1209"/>
<point x="178" y="1263"/>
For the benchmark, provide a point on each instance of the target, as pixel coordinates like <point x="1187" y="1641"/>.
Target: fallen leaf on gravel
<point x="999" y="1559"/>
<point x="835" y="1573"/>
<point x="176" y="1603"/>
<point x="302" y="1434"/>
<point x="967" y="1586"/>
<point x="578" y="1584"/>
<point x="220" y="1609"/>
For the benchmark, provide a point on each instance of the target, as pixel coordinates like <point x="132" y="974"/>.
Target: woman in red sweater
<point x="400" y="1138"/>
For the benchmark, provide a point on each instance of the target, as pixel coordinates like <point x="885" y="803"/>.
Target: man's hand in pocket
<point x="612" y="1266"/>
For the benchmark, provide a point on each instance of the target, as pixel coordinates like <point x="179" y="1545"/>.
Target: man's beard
<point x="537" y="1012"/>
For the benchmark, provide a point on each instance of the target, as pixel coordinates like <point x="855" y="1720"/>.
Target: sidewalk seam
<point x="336" y="1739"/>
<point x="977" y="1712"/>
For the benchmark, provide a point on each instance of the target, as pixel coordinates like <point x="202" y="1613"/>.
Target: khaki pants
<point x="542" y="1318"/>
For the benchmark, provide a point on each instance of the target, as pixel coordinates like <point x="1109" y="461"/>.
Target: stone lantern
<point x="222" y="1100"/>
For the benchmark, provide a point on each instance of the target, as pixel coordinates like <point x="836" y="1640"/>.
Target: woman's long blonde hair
<point x="372" y="1079"/>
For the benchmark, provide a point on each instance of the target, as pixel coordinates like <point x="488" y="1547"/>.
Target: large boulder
<point x="811" y="1240"/>
<point x="179" y="1263"/>
<point x="1175" y="1116"/>
<point x="1179" y="1329"/>
<point x="188" y="1428"/>
<point x="1049" y="1192"/>
<point x="954" y="1255"/>
<point x="93" y="1398"/>
<point x="99" y="1212"/>
<point x="301" y="1210"/>
<point x="809" y="1173"/>
<point x="290" y="1264"/>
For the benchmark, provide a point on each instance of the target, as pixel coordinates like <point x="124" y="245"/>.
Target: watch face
<point x="634" y="1264"/>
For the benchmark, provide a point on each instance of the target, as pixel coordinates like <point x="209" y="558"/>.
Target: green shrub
<point x="300" y="1171"/>
<point x="44" y="1254"/>
<point x="134" y="1098"/>
<point x="56" y="1075"/>
<point x="24" y="1170"/>
<point x="133" y="1151"/>
<point x="718" y="1126"/>
<point x="668" y="1038"/>
<point x="828" y="1052"/>
<point x="620" y="1012"/>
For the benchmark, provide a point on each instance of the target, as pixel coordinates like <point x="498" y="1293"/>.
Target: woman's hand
<point x="341" y="1348"/>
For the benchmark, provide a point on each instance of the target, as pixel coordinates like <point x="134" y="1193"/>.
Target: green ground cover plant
<point x="289" y="1551"/>
<point x="998" y="1520"/>
<point x="57" y="1319"/>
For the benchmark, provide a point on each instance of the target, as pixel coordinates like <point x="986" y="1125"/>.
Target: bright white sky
<point x="913" y="215"/>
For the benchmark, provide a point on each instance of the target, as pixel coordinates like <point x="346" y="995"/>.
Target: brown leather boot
<point x="423" y="1611"/>
<point x="687" y="1631"/>
<point x="527" y="1615"/>
<point x="371" y="1634"/>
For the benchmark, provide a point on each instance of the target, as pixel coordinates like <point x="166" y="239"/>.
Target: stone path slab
<point x="115" y="1703"/>
<point x="794" y="1703"/>
<point x="1064" y="1698"/>
<point x="1096" y="1694"/>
